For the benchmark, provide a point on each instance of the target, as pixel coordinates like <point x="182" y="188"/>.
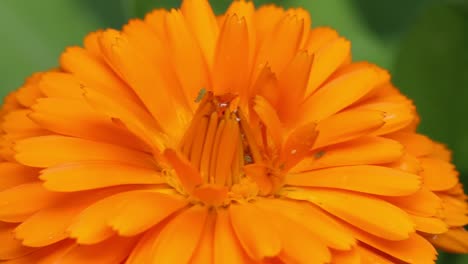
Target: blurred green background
<point x="424" y="44"/>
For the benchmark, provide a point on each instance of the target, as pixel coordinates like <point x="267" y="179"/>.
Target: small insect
<point x="200" y="95"/>
<point x="319" y="154"/>
<point x="248" y="159"/>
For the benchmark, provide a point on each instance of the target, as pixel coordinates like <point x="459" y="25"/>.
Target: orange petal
<point x="438" y="175"/>
<point x="346" y="126"/>
<point x="156" y="21"/>
<point x="50" y="225"/>
<point x="211" y="194"/>
<point x="320" y="37"/>
<point x="326" y="60"/>
<point x="415" y="144"/>
<point x="292" y="83"/>
<point x="343" y="90"/>
<point x="441" y="152"/>
<point x="429" y="225"/>
<point x="322" y="226"/>
<point x="245" y="10"/>
<point x="259" y="173"/>
<point x="93" y="72"/>
<point x="202" y="22"/>
<point x="455" y="240"/>
<point x="282" y="44"/>
<point x="114" y="250"/>
<point x="123" y="213"/>
<point x="143" y="75"/>
<point x="29" y="92"/>
<point x="266" y="86"/>
<point x="204" y="252"/>
<point x="153" y="46"/>
<point x="454" y="211"/>
<point x="270" y="119"/>
<point x="231" y="68"/>
<point x="457" y="190"/>
<point x="76" y="118"/>
<point x="357" y="152"/>
<point x="408" y="163"/>
<point x="304" y="15"/>
<point x="143" y="210"/>
<point x="187" y="174"/>
<point x="397" y="115"/>
<point x="298" y="145"/>
<point x="90" y="225"/>
<point x="227" y="248"/>
<point x="369" y="256"/>
<point x="368" y="213"/>
<point x="146" y="41"/>
<point x="257" y="235"/>
<point x="91" y="43"/>
<point x="421" y="203"/>
<point x="184" y="231"/>
<point x="349" y="257"/>
<point x="224" y="151"/>
<point x="18" y="121"/>
<point x="11" y="102"/>
<point x="18" y="203"/>
<point x="52" y="85"/>
<point x="44" y="255"/>
<point x="266" y="18"/>
<point x="11" y="247"/>
<point x="67" y="149"/>
<point x="14" y="174"/>
<point x="186" y="56"/>
<point x="129" y="116"/>
<point x="364" y="178"/>
<point x="72" y="177"/>
<point x="143" y="250"/>
<point x="299" y="245"/>
<point x="415" y="249"/>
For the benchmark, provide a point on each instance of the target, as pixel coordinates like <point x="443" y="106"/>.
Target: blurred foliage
<point x="389" y="19"/>
<point x="432" y="67"/>
<point x="422" y="42"/>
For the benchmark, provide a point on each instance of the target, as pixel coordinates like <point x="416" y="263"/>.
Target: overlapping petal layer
<point x="244" y="138"/>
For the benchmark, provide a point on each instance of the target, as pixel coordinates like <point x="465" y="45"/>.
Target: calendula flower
<point x="243" y="138"/>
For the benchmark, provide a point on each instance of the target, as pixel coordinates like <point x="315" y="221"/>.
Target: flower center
<point x="218" y="146"/>
<point x="213" y="142"/>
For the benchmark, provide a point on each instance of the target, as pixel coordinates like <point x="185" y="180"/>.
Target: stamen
<point x="205" y="109"/>
<point x="216" y="150"/>
<point x="249" y="139"/>
<point x="208" y="147"/>
<point x="198" y="142"/>
<point x="237" y="164"/>
<point x="187" y="175"/>
<point x="227" y="148"/>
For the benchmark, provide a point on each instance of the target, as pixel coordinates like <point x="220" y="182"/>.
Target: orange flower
<point x="244" y="138"/>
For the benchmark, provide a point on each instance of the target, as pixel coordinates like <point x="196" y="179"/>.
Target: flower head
<point x="243" y="138"/>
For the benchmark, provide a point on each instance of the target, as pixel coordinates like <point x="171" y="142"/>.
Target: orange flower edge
<point x="242" y="138"/>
